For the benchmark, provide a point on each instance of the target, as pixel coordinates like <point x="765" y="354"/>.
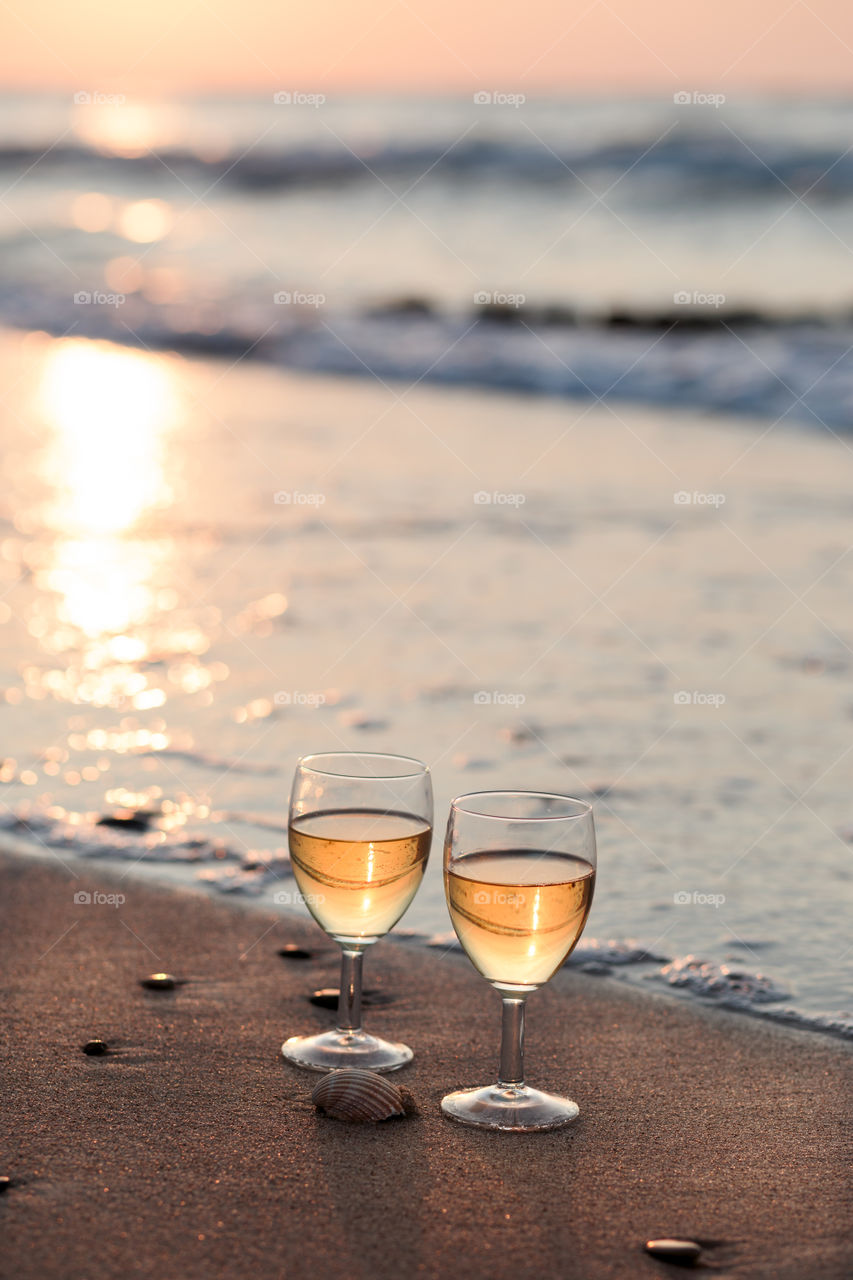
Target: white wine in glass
<point x="519" y="873"/>
<point x="360" y="830"/>
<point x="358" y="870"/>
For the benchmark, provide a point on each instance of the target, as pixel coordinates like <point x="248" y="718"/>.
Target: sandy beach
<point x="193" y="1149"/>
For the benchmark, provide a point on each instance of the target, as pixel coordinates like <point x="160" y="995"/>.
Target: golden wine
<point x="518" y="913"/>
<point x="358" y="869"/>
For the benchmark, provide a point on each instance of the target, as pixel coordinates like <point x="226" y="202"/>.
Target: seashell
<point x="361" y="1097"/>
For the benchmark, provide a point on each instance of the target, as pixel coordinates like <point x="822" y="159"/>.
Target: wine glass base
<point x="514" y="1108"/>
<point x="333" y="1049"/>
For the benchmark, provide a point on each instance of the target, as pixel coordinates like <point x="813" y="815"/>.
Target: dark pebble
<point x="402" y="307"/>
<point x="5" y="1183"/>
<point x="95" y="1048"/>
<point x="499" y="313"/>
<point x="159" y="982"/>
<point x="290" y="951"/>
<point x="327" y="998"/>
<point x="127" y="819"/>
<point x="683" y="1253"/>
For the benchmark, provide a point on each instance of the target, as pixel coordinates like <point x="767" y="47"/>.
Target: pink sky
<point x="553" y="45"/>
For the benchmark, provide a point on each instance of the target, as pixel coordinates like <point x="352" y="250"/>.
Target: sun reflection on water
<point x="109" y="414"/>
<point x="109" y="410"/>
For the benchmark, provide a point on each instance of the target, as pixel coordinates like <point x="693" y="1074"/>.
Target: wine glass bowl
<point x="519" y="871"/>
<point x="359" y="831"/>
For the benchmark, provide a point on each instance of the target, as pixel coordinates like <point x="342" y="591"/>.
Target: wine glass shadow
<point x="379" y="1188"/>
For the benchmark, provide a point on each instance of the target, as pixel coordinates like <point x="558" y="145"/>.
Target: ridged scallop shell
<point x="361" y="1097"/>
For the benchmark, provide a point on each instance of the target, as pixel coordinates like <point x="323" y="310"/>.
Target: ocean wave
<point x="743" y="991"/>
<point x="772" y="366"/>
<point x="721" y="983"/>
<point x="716" y="164"/>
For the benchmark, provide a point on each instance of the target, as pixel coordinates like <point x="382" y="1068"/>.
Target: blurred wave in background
<point x="680" y="250"/>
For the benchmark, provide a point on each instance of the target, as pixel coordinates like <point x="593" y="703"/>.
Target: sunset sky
<point x="177" y="46"/>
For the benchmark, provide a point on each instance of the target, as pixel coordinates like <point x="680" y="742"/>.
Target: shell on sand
<point x="361" y="1097"/>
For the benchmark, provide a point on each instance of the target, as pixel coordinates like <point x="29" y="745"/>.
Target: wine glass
<point x="360" y="829"/>
<point x="519" y="873"/>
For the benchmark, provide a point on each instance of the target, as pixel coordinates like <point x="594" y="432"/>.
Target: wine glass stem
<point x="349" y="1000"/>
<point x="512" y="1041"/>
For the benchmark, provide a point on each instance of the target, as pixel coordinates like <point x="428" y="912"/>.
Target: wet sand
<point x="193" y="1150"/>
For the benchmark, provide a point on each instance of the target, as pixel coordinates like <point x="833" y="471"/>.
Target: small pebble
<point x="5" y="1183"/>
<point x="682" y="1252"/>
<point x="95" y="1048"/>
<point x="327" y="998"/>
<point x="159" y="982"/>
<point x="290" y="951"/>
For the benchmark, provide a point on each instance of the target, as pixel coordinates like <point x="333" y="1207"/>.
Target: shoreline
<point x="632" y="976"/>
<point x="193" y="1144"/>
<point x="619" y="971"/>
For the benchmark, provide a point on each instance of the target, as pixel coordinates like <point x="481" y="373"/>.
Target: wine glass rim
<point x="584" y="808"/>
<point x="307" y="762"/>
